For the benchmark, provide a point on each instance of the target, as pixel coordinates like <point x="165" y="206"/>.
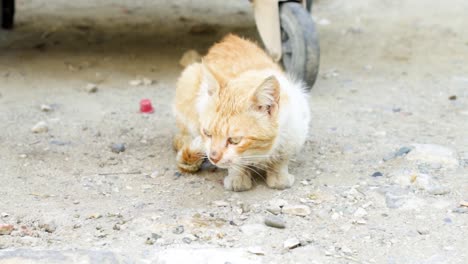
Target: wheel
<point x="300" y="46"/>
<point x="7" y="13"/>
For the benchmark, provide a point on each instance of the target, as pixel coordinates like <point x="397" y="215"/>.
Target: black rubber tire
<point x="300" y="45"/>
<point x="7" y="13"/>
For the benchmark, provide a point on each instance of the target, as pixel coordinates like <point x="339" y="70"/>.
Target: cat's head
<point x="239" y="117"/>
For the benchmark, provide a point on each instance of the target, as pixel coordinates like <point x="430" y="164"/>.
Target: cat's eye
<point x="205" y="132"/>
<point x="234" y="140"/>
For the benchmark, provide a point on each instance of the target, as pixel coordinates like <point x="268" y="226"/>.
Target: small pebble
<point x="118" y="147"/>
<point x="149" y="241"/>
<point x="256" y="250"/>
<point x="40" y="127"/>
<point x="291" y="243"/>
<point x="136" y="82"/>
<point x="452" y="97"/>
<point x="178" y="230"/>
<point x="49" y="227"/>
<point x="221" y="203"/>
<point x="274" y="221"/>
<point x="461" y="210"/>
<point x="360" y="212"/>
<point x="346" y="250"/>
<point x="154" y="174"/>
<point x="91" y="88"/>
<point x="305" y="182"/>
<point x="423" y="231"/>
<point x="361" y="222"/>
<point x="300" y="210"/>
<point x="5" y="229"/>
<point x="187" y="240"/>
<point x="46" y="108"/>
<point x="59" y="142"/>
<point x="402" y="151"/>
<point x="438" y="190"/>
<point x="155" y="236"/>
<point x="147" y="81"/>
<point x="94" y="216"/>
<point x="377" y="174"/>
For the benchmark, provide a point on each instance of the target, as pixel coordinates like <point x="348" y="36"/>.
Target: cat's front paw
<point x="189" y="161"/>
<point x="280" y="181"/>
<point x="237" y="183"/>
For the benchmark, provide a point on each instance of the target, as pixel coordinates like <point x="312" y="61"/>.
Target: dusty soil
<point x="388" y="71"/>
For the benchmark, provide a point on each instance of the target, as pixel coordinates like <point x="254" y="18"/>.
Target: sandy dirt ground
<point x="382" y="178"/>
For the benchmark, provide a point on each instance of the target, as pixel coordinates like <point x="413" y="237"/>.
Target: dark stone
<point x="377" y="174"/>
<point x="452" y="97"/>
<point x="275" y="221"/>
<point x="402" y="151"/>
<point x="178" y="230"/>
<point x="155" y="236"/>
<point x="118" y="147"/>
<point x="59" y="142"/>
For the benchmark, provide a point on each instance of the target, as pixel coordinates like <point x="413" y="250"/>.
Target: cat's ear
<point x="267" y="95"/>
<point x="210" y="84"/>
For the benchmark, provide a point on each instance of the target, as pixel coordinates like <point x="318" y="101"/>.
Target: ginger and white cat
<point x="241" y="111"/>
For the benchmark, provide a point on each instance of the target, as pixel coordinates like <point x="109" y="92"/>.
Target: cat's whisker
<point x="252" y="169"/>
<point x="262" y="166"/>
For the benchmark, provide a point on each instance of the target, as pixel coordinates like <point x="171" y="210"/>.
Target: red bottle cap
<point x="145" y="106"/>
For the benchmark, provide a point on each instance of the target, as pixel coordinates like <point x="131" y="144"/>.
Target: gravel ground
<point x="382" y="179"/>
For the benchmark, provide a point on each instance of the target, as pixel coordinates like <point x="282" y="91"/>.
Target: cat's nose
<point x="215" y="156"/>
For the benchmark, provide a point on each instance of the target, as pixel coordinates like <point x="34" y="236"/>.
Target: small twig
<point x="119" y="173"/>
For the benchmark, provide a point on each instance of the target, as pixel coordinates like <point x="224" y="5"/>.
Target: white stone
<point x="136" y="82"/>
<point x="256" y="250"/>
<point x="147" y="81"/>
<point x="300" y="210"/>
<point x="154" y="174"/>
<point x="291" y="243"/>
<point x="40" y="127"/>
<point x="360" y="212"/>
<point x="91" y="88"/>
<point x="46" y="108"/>
<point x="189" y="57"/>
<point x="221" y="203"/>
<point x="275" y="206"/>
<point x="346" y="250"/>
<point x="433" y="154"/>
<point x="335" y="216"/>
